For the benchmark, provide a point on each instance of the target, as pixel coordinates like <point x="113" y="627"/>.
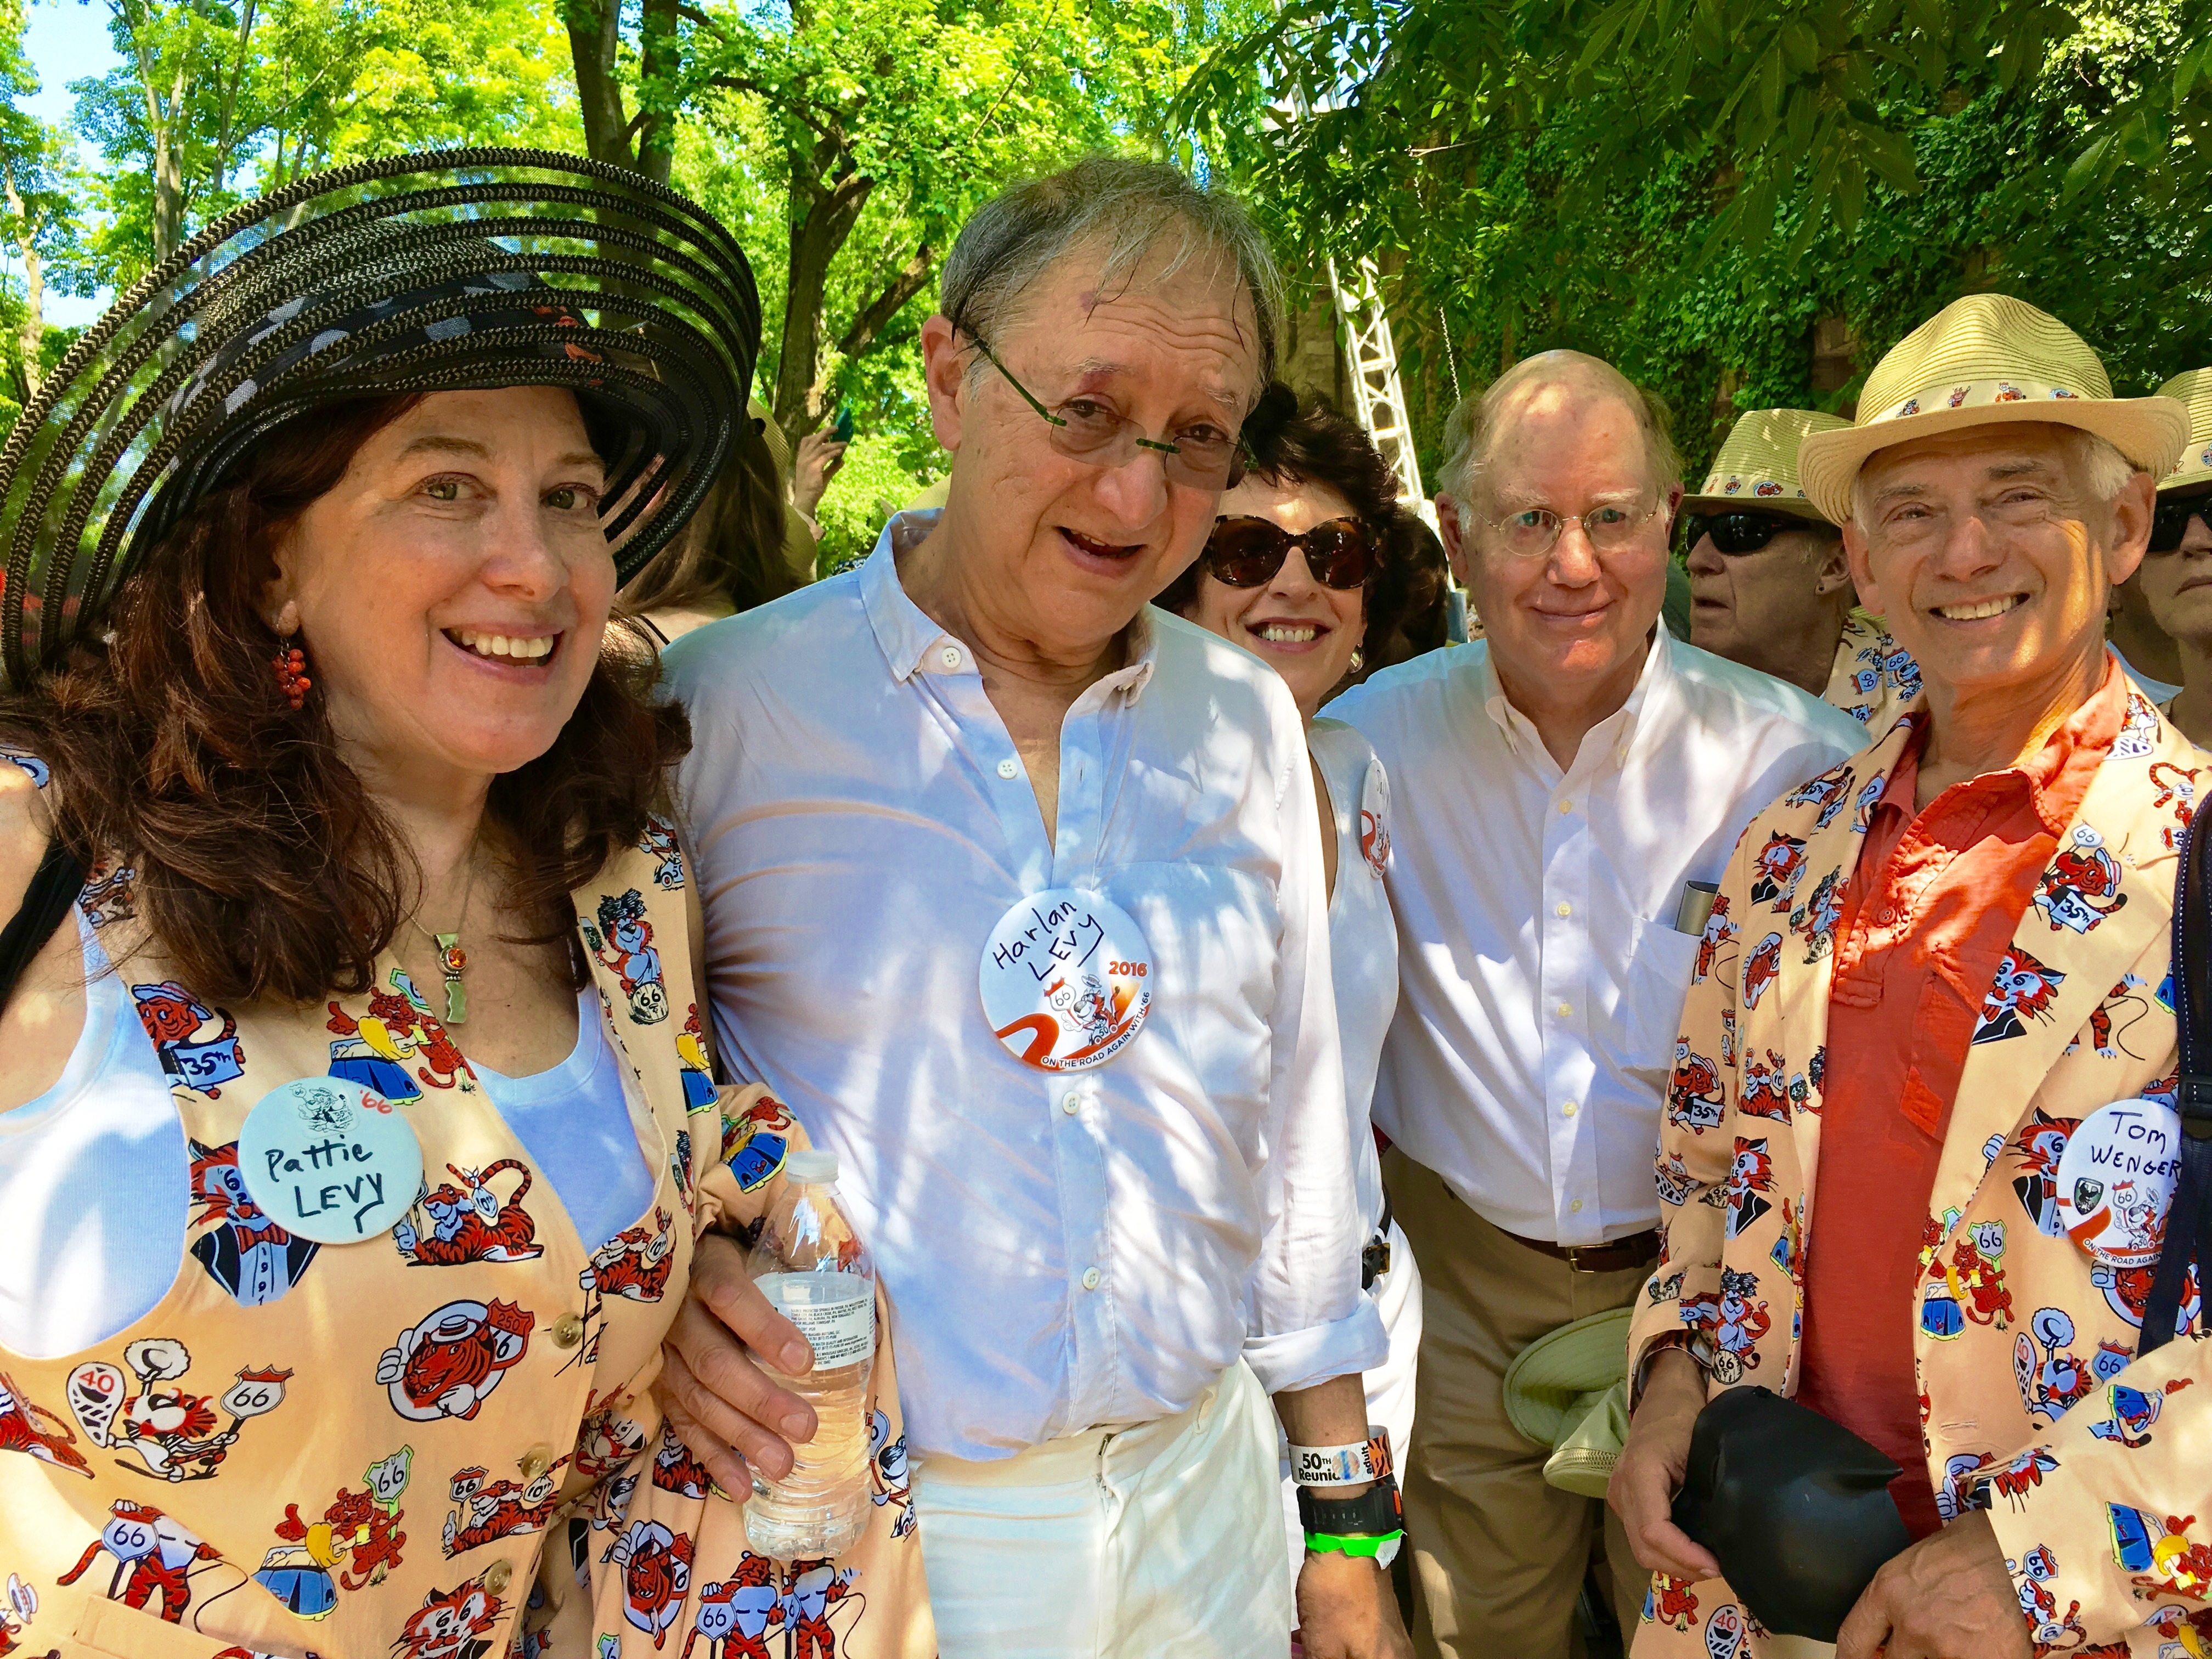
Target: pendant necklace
<point x="452" y="961"/>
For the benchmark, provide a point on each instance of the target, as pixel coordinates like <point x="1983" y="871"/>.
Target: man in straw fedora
<point x="1961" y="967"/>
<point x="1769" y="587"/>
<point x="2175" y="578"/>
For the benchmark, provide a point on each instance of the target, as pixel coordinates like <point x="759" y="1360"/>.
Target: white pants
<point x="1397" y="1298"/>
<point x="1114" y="1544"/>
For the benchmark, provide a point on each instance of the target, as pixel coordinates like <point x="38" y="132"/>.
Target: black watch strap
<point x="1373" y="1513"/>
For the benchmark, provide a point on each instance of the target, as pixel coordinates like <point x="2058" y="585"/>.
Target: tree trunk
<point x="822" y="217"/>
<point x="876" y="316"/>
<point x="33" y="332"/>
<point x="661" y="57"/>
<point x="594" y="31"/>
<point x="647" y="145"/>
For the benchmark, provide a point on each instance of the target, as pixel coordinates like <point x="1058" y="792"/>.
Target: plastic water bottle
<point x="810" y="1266"/>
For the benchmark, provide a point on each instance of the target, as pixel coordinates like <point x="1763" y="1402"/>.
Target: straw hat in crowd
<point x="1980" y="360"/>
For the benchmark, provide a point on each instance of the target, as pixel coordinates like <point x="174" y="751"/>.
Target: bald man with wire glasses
<point x="1768" y="585"/>
<point x="1555" y="790"/>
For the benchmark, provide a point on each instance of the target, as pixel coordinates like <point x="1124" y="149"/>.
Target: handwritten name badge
<point x="1066" y="981"/>
<point x="2116" y="1179"/>
<point x="326" y="1160"/>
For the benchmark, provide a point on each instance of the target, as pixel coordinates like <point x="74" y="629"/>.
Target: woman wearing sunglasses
<point x="1312" y="557"/>
<point x="2176" y="573"/>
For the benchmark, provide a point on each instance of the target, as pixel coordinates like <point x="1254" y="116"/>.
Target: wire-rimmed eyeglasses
<point x="1085" y="429"/>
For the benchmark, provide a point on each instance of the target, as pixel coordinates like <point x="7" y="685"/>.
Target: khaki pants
<point x="1499" y="1556"/>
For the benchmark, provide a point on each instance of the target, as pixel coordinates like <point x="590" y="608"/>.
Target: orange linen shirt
<point x="1931" y="905"/>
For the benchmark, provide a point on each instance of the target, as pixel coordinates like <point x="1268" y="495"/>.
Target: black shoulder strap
<point x="2189" y="1217"/>
<point x="59" y="879"/>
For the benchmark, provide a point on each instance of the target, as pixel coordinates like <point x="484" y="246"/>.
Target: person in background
<point x="800" y="484"/>
<point x="820" y="455"/>
<point x="728" y="558"/>
<point x="1115" y="1208"/>
<point x="2176" y="574"/>
<point x="1771" y="589"/>
<point x="1553" y="789"/>
<point x="1937" y="997"/>
<point x="2152" y="657"/>
<point x="1310" y="556"/>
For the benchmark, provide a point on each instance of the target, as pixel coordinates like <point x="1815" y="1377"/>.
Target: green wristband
<point x="1329" y="1543"/>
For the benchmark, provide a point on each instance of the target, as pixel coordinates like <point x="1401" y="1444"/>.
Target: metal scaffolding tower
<point x="1378" y="399"/>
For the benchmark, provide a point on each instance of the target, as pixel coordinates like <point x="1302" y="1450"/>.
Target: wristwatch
<point x="1372" y="1524"/>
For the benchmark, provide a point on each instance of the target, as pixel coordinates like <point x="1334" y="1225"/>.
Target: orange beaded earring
<point x="290" y="661"/>
<point x="291" y="676"/>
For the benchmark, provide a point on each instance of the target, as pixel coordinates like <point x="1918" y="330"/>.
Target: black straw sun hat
<point x="450" y="271"/>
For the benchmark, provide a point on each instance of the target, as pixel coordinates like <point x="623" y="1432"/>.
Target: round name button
<point x="2116" y="1180"/>
<point x="1066" y="980"/>
<point x="327" y="1160"/>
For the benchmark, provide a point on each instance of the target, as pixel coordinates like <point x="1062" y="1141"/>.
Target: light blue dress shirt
<point x="1063" y="1252"/>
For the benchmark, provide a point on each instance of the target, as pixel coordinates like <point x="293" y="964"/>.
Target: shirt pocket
<point x="109" y="1629"/>
<point x="1658" y="981"/>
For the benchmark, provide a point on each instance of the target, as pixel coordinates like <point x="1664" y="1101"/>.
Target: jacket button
<point x="534" y="1462"/>
<point x="567" y="1331"/>
<point x="498" y="1577"/>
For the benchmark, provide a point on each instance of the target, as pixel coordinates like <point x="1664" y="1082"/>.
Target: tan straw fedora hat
<point x="1981" y="361"/>
<point x="1758" y="465"/>
<point x="2193" y="391"/>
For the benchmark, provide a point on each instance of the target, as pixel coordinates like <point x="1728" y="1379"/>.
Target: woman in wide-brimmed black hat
<point x="354" y="1105"/>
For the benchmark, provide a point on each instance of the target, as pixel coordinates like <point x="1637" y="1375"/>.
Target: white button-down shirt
<point x="1063" y="1252"/>
<point x="1541" y="976"/>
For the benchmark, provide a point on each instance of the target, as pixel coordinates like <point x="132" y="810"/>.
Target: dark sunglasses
<point x="2169" y="521"/>
<point x="1247" y="552"/>
<point x="1737" y="531"/>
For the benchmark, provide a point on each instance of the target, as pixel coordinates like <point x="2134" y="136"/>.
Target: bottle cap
<point x="814" y="1165"/>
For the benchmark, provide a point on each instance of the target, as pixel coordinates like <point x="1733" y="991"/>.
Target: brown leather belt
<point x="1636" y="1250"/>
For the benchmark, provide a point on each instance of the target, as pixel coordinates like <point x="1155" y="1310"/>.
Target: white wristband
<point x="1351" y="1465"/>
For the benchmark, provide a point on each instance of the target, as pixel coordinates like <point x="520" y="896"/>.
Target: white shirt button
<point x="1091" y="1278"/>
<point x="1010" y="769"/>
<point x="1562" y="909"/>
<point x="1072" y="1101"/>
<point x="1576" y="1207"/>
<point x="949" y="656"/>
<point x="1564" y="1010"/>
<point x="1569" y="1109"/>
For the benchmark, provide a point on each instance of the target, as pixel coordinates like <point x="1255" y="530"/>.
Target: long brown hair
<point x="262" y="866"/>
<point x="732" y="549"/>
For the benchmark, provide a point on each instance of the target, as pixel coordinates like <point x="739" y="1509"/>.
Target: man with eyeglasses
<point x="1013" y="895"/>
<point x="1769" y="587"/>
<point x="1923" y="1191"/>
<point x="2175" y="579"/>
<point x="1559" y="790"/>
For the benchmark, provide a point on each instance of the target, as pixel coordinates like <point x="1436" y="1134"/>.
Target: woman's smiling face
<point x="453" y="588"/>
<point x="1306" y="630"/>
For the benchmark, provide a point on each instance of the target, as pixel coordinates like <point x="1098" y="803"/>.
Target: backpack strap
<point x="53" y="889"/>
<point x="2189" y="1217"/>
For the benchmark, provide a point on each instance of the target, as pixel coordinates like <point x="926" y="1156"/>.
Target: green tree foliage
<point x="1699" y="189"/>
<point x="859" y="135"/>
<point x="212" y="102"/>
<point x="41" y="186"/>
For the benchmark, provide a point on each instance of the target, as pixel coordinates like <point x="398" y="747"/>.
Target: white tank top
<point x="1362" y="935"/>
<point x="94" y="1175"/>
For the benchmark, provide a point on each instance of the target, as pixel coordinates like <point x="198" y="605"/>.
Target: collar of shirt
<point x="2056" y="776"/>
<point x="1615" y="735"/>
<point x="908" y="636"/>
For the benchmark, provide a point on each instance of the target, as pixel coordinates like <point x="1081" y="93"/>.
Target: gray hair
<point x="1130" y="207"/>
<point x="1473" y="425"/>
<point x="2103" y="471"/>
